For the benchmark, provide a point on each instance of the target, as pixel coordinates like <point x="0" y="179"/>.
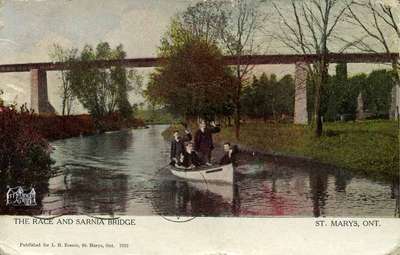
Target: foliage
<point x="192" y="81"/>
<point x="267" y="97"/>
<point x="197" y="22"/>
<point x="67" y="56"/>
<point x="340" y="94"/>
<point x="230" y="25"/>
<point x="102" y="91"/>
<point x="377" y="92"/>
<point x="54" y="127"/>
<point x="24" y="153"/>
<point x="156" y="115"/>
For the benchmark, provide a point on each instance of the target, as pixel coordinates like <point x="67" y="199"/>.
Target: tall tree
<point x="379" y="22"/>
<point x="191" y="81"/>
<point x="238" y="31"/>
<point x="233" y="25"/>
<point x="308" y="27"/>
<point x="67" y="56"/>
<point x="202" y="20"/>
<point x="102" y="91"/>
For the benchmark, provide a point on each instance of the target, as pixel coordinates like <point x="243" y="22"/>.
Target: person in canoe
<point x="229" y="154"/>
<point x="203" y="142"/>
<point x="177" y="145"/>
<point x="189" y="158"/>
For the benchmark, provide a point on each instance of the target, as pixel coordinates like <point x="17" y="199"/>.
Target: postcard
<point x="199" y="127"/>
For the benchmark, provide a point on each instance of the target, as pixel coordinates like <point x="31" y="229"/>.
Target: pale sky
<point x="28" y="28"/>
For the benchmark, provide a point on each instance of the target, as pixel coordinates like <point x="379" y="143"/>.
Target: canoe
<point x="223" y="174"/>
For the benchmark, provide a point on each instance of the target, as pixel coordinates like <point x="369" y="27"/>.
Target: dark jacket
<point x="191" y="159"/>
<point x="225" y="160"/>
<point x="178" y="147"/>
<point x="203" y="140"/>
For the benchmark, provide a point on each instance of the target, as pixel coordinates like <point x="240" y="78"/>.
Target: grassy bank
<point x="160" y="116"/>
<point x="370" y="147"/>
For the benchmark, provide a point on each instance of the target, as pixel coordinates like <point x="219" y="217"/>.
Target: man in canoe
<point x="203" y="142"/>
<point x="177" y="145"/>
<point x="189" y="158"/>
<point x="229" y="154"/>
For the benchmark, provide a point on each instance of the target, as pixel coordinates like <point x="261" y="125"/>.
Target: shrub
<point x="24" y="153"/>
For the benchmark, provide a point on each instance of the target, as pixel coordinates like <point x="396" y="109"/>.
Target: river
<point x="122" y="173"/>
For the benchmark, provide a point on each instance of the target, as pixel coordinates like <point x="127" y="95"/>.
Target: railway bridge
<point x="40" y="102"/>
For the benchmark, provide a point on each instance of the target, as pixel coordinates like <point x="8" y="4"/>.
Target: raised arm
<point x="214" y="128"/>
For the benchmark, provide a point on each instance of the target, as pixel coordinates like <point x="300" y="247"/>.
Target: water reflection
<point x="80" y="190"/>
<point x="123" y="173"/>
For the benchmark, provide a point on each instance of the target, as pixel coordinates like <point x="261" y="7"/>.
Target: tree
<point x="67" y="56"/>
<point x="379" y="22"/>
<point x="308" y="27"/>
<point x="267" y="97"/>
<point x="377" y="92"/>
<point x="241" y="23"/>
<point x="102" y="91"/>
<point x="202" y="20"/>
<point x="1" y="100"/>
<point x="192" y="81"/>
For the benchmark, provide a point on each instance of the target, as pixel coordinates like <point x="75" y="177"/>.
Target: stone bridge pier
<point x="39" y="96"/>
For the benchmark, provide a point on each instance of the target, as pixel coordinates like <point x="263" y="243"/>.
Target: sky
<point x="28" y="29"/>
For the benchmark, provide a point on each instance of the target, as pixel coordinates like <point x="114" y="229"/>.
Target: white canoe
<point x="223" y="174"/>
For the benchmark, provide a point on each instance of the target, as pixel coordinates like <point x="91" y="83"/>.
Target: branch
<point x="357" y="43"/>
<point x="361" y="24"/>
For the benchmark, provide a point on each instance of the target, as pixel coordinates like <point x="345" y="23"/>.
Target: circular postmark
<point x="178" y="219"/>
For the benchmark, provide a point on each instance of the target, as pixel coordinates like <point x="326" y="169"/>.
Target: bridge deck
<point x="229" y="60"/>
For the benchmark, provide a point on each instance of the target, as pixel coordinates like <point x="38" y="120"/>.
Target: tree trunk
<point x="238" y="109"/>
<point x="64" y="102"/>
<point x="321" y="81"/>
<point x="317" y="114"/>
<point x="394" y="104"/>
<point x="237" y="120"/>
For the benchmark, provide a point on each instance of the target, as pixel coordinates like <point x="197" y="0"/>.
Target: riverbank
<point x="53" y="127"/>
<point x="368" y="147"/>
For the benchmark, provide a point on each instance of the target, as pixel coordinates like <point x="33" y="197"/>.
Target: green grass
<point x="370" y="147"/>
<point x="155" y="117"/>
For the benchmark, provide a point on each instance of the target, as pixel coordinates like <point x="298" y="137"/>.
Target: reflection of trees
<point x="318" y="189"/>
<point x="396" y="195"/>
<point x="236" y="200"/>
<point x="107" y="145"/>
<point x="342" y="178"/>
<point x="92" y="190"/>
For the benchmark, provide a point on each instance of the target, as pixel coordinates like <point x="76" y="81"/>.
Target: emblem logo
<point x="17" y="196"/>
